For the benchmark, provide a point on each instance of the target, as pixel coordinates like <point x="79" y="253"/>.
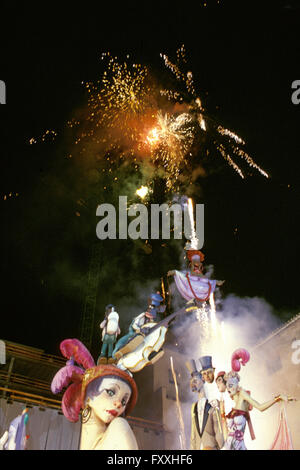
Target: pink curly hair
<point x="239" y="356"/>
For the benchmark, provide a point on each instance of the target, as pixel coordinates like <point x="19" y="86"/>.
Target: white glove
<point x="214" y="403"/>
<point x="3" y="440"/>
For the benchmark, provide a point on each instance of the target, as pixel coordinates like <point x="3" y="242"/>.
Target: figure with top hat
<point x="206" y="428"/>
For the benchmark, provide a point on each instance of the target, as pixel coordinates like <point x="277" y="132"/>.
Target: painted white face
<point x="196" y="384"/>
<point x="232" y="386"/>
<point x="111" y="402"/>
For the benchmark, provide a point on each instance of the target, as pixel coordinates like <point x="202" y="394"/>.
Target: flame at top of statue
<point x="193" y="244"/>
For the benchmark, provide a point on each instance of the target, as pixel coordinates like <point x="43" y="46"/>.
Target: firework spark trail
<point x="251" y="162"/>
<point x="48" y="135"/>
<point x="202" y="317"/>
<point x="5" y="197"/>
<point x="179" y="411"/>
<point x="231" y="134"/>
<point x="194" y="239"/>
<point x="227" y="157"/>
<point x="233" y="140"/>
<point x="185" y="78"/>
<point x="213" y="317"/>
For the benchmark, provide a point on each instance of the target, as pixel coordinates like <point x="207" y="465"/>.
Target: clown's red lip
<point x="112" y="412"/>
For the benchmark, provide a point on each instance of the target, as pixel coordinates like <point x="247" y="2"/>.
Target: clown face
<point x="196" y="265"/>
<point x="112" y="400"/>
<point x="232" y="386"/>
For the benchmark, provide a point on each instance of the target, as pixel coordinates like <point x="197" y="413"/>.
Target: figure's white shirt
<point x="201" y="407"/>
<point x="211" y="391"/>
<point x="139" y="321"/>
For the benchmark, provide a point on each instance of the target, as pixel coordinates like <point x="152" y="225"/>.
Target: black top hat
<point x="191" y="366"/>
<point x="206" y="363"/>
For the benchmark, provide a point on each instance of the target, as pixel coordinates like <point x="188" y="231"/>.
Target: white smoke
<point x="242" y="323"/>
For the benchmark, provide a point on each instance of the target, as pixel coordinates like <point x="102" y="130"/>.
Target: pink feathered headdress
<point x="239" y="356"/>
<point x="77" y="378"/>
<point x="71" y="376"/>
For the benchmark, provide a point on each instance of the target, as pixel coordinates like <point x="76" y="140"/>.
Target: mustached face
<point x="112" y="399"/>
<point x="196" y="384"/>
<point x="208" y="375"/>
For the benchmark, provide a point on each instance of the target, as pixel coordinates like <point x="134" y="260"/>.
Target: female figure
<point x="104" y="393"/>
<point x="243" y="403"/>
<point x="221" y="384"/>
<point x="193" y="284"/>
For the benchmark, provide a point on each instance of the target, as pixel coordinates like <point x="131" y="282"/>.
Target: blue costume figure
<point x="15" y="438"/>
<point x="130" y="341"/>
<point x="110" y="331"/>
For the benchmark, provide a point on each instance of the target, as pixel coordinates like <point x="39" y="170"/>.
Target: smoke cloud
<point x="241" y="323"/>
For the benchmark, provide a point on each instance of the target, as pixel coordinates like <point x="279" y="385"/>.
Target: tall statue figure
<point x="239" y="416"/>
<point x="207" y="372"/>
<point x="221" y="384"/>
<point x="206" y="429"/>
<point x="110" y="331"/>
<point x="193" y="284"/>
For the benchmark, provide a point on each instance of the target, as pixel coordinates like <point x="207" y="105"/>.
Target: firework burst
<point x="226" y="142"/>
<point x="123" y="92"/>
<point x="170" y="141"/>
<point x="117" y="105"/>
<point x="129" y="119"/>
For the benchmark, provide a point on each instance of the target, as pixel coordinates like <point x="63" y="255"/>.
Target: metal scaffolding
<point x="88" y="316"/>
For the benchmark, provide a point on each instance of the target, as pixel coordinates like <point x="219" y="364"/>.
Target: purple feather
<point x="74" y="349"/>
<point x="64" y="377"/>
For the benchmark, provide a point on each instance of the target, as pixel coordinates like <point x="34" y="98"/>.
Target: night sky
<point x="245" y="59"/>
